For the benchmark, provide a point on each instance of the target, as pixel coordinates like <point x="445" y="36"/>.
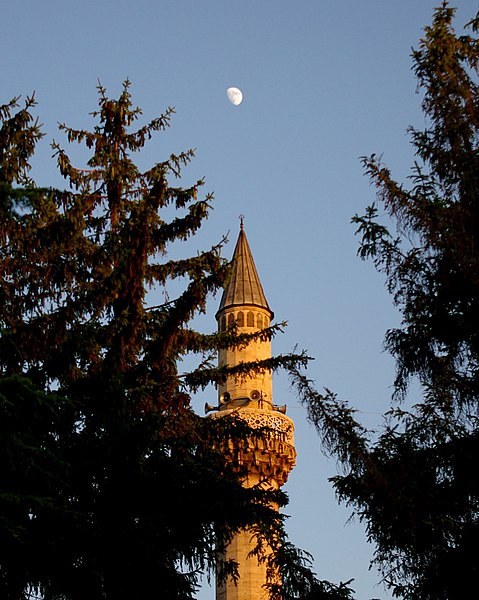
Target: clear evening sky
<point x="324" y="82"/>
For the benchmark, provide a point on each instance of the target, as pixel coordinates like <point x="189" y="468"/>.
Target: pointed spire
<point x="244" y="287"/>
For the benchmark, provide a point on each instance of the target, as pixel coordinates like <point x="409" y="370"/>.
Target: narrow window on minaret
<point x="240" y="319"/>
<point x="250" y="319"/>
<point x="223" y="324"/>
<point x="231" y="319"/>
<point x="260" y="321"/>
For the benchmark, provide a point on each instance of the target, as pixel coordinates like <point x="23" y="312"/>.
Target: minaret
<point x="267" y="461"/>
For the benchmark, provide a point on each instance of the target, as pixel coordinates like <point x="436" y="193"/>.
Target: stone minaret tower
<point x="268" y="461"/>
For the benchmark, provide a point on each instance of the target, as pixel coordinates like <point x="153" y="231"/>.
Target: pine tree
<point x="416" y="486"/>
<point x="112" y="487"/>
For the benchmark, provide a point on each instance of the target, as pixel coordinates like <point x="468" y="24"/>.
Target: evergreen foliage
<point x="416" y="486"/>
<point x="112" y="487"/>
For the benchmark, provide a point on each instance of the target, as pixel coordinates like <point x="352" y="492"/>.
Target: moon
<point x="235" y="95"/>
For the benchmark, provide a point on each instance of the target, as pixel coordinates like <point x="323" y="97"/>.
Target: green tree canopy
<point x="416" y="486"/>
<point x="112" y="487"/>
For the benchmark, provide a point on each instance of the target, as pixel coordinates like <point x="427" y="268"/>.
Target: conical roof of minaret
<point x="244" y="287"/>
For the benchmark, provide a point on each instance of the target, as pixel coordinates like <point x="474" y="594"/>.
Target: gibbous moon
<point x="235" y="95"/>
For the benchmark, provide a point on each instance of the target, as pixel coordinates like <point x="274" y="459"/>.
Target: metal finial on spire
<point x="241" y="222"/>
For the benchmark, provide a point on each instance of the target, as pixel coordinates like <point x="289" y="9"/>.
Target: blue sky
<point x="324" y="82"/>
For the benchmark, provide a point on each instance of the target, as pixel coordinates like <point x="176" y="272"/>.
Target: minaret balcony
<point x="278" y="425"/>
<point x="269" y="456"/>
